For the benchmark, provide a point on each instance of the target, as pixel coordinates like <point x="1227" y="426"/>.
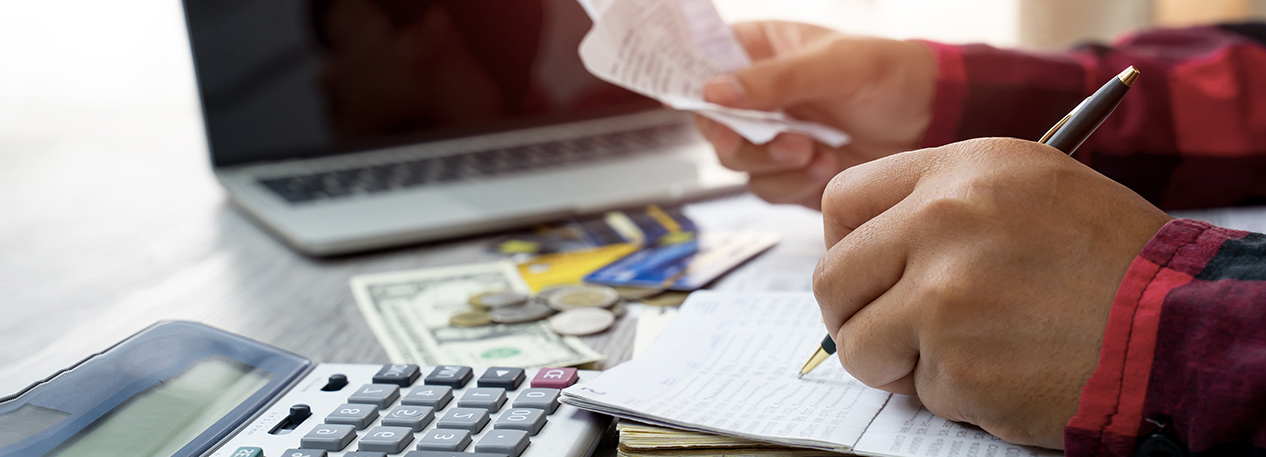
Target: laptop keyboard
<point x="474" y="164"/>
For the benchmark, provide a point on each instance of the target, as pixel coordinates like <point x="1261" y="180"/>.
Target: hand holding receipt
<point x="1066" y="135"/>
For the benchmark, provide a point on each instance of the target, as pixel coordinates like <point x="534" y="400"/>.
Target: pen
<point x="1066" y="135"/>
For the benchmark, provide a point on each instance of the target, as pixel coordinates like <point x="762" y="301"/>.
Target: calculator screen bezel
<point x="92" y="389"/>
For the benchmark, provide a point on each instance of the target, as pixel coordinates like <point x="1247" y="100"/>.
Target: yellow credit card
<point x="570" y="267"/>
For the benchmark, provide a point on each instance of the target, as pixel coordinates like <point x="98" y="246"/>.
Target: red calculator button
<point x="555" y="378"/>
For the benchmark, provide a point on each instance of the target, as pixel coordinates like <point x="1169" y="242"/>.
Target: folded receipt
<point x="668" y="49"/>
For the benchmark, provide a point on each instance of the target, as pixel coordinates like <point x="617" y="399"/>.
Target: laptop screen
<point x="283" y="79"/>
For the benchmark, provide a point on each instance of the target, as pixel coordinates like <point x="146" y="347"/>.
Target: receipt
<point x="668" y="49"/>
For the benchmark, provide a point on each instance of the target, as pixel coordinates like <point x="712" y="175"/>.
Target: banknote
<point x="409" y="313"/>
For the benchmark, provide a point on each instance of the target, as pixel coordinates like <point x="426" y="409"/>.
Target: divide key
<point x="555" y="378"/>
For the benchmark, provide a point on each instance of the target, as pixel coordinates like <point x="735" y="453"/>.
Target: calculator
<point x="184" y="389"/>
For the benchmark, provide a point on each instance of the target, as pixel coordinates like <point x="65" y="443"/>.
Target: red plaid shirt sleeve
<point x="1184" y="352"/>
<point x="1191" y="133"/>
<point x="1183" y="359"/>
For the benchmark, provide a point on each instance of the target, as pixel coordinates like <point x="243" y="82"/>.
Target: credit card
<point x="685" y="266"/>
<point x="569" y="267"/>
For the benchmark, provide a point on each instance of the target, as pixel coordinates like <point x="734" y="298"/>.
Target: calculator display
<point x="162" y="419"/>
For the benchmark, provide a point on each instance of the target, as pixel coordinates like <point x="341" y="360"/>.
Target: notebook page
<point x="727" y="364"/>
<point x="906" y="428"/>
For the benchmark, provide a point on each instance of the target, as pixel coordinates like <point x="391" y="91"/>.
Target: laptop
<point x="352" y="125"/>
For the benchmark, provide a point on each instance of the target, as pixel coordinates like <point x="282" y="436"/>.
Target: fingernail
<point x="724" y="90"/>
<point x="823" y="167"/>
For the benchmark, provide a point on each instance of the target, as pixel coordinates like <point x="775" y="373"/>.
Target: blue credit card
<point x="650" y="267"/>
<point x="687" y="266"/>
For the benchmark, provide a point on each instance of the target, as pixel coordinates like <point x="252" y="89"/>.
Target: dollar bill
<point x="409" y="313"/>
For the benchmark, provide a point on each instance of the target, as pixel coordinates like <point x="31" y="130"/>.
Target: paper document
<point x="668" y="49"/>
<point x="727" y="364"/>
<point x="409" y="313"/>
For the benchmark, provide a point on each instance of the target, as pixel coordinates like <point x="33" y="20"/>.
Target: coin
<point x="666" y="299"/>
<point x="519" y="314"/>
<point x="583" y="297"/>
<point x="618" y="309"/>
<point x="470" y="319"/>
<point x="493" y="300"/>
<point x="582" y="321"/>
<point x="637" y="293"/>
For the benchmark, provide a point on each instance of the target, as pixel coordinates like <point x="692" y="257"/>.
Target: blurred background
<point x="65" y="63"/>
<point x="98" y="109"/>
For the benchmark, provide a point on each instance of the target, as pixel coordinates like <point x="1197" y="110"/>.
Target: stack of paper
<point x="727" y="365"/>
<point x="668" y="49"/>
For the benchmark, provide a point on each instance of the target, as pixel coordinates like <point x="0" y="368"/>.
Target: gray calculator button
<point x="450" y="454"/>
<point x="538" y="398"/>
<point x="503" y="377"/>
<point x="444" y="440"/>
<point x="473" y="419"/>
<point x="508" y="442"/>
<point x="400" y="374"/>
<point x="365" y="454"/>
<point x="356" y="415"/>
<point x="304" y="453"/>
<point x="434" y="396"/>
<point x="382" y="395"/>
<point x="414" y="417"/>
<point x="331" y="437"/>
<point x="391" y="440"/>
<point x="489" y="398"/>
<point x="449" y="375"/>
<point x="526" y="419"/>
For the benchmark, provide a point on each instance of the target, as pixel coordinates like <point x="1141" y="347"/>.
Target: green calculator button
<point x="249" y="452"/>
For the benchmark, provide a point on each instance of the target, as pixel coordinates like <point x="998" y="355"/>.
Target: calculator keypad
<point x="407" y="412"/>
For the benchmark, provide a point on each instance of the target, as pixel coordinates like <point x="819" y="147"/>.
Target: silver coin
<point x="494" y="300"/>
<point x="530" y="312"/>
<point x="583" y="297"/>
<point x="582" y="321"/>
<point x="618" y="309"/>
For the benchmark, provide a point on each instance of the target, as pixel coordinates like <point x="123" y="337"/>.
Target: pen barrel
<point x="828" y="345"/>
<point x="1083" y="123"/>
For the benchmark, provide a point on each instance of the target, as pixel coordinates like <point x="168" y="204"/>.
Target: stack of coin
<point x="580" y="309"/>
<point x="583" y="309"/>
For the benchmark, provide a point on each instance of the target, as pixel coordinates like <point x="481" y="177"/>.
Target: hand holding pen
<point x="1066" y="135"/>
<point x="979" y="275"/>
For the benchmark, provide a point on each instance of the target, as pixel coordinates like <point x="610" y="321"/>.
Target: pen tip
<point x="1128" y="76"/>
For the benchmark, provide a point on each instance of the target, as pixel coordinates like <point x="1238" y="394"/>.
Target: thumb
<point x="829" y="69"/>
